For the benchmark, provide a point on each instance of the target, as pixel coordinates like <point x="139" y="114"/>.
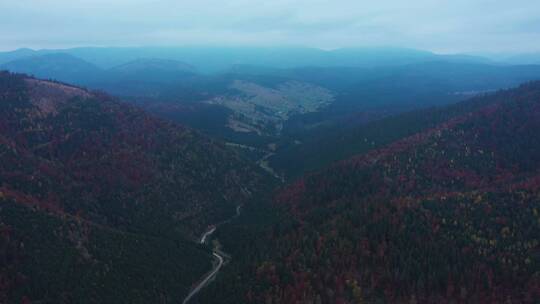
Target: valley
<point x="149" y="176"/>
<point x="254" y="104"/>
<point x="452" y="215"/>
<point x="265" y="109"/>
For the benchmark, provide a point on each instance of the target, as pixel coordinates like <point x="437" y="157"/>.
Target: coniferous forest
<point x="270" y="152"/>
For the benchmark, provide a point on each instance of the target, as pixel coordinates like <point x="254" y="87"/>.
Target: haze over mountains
<point x="270" y="152"/>
<point x="267" y="96"/>
<point x="213" y="59"/>
<point x="375" y="175"/>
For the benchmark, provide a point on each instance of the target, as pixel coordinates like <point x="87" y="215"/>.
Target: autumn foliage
<point x="449" y="215"/>
<point x="84" y="176"/>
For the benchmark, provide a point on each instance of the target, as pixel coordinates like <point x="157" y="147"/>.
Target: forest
<point x="102" y="201"/>
<point x="96" y="195"/>
<point x="447" y="215"/>
<point x="269" y="152"/>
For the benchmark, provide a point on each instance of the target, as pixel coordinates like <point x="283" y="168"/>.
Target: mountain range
<point x="268" y="175"/>
<point x="213" y="59"/>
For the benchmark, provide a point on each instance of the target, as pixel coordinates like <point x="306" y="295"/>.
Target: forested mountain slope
<point x="320" y="149"/>
<point x="95" y="190"/>
<point x="278" y="110"/>
<point x="449" y="215"/>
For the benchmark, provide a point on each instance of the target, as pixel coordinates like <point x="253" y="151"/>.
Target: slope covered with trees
<point x="98" y="192"/>
<point x="448" y="215"/>
<point x="255" y="104"/>
<point x="324" y="146"/>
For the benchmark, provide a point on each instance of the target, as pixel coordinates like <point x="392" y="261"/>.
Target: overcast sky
<point x="443" y="26"/>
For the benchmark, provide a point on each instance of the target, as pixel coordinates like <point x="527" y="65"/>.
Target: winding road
<point x="216" y="253"/>
<point x="206" y="234"/>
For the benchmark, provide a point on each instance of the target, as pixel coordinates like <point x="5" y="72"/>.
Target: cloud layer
<point x="444" y="26"/>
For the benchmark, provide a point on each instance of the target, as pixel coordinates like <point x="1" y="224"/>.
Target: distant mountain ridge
<point x="213" y="59"/>
<point x="69" y="68"/>
<point x="56" y="66"/>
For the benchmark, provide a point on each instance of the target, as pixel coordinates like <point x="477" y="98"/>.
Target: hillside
<point x="323" y="146"/>
<point x="448" y="215"/>
<point x="283" y="109"/>
<point x="102" y="192"/>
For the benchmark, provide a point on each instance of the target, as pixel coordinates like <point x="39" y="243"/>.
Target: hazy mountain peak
<point x="51" y="58"/>
<point x="59" y="66"/>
